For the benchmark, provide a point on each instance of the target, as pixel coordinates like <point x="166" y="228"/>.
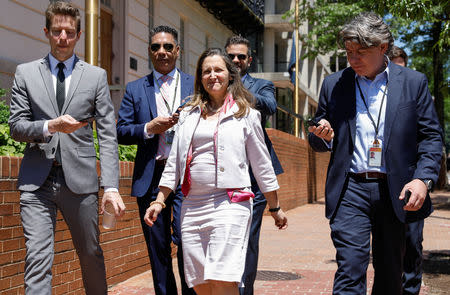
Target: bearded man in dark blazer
<point x="239" y="51"/>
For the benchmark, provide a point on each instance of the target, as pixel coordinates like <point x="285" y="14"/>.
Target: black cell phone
<point x="180" y="107"/>
<point x="407" y="196"/>
<point x="312" y="122"/>
<point x="88" y="119"/>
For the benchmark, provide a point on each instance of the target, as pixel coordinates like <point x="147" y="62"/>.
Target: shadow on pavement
<point x="437" y="262"/>
<point x="441" y="201"/>
<point x="436" y="271"/>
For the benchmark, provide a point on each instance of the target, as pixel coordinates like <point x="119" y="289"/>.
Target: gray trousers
<point x="38" y="211"/>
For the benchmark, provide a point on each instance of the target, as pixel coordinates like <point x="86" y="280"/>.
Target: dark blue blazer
<point x="266" y="104"/>
<point x="412" y="135"/>
<point x="137" y="108"/>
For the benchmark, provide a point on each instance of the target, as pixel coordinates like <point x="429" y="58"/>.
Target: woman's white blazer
<point x="240" y="143"/>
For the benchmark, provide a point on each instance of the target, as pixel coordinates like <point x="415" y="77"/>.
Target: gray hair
<point x="368" y="29"/>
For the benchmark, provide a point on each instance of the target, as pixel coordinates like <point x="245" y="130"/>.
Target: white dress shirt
<point x="68" y="63"/>
<point x="365" y="131"/>
<point x="163" y="111"/>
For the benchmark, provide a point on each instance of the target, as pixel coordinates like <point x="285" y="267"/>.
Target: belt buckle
<point x="368" y="177"/>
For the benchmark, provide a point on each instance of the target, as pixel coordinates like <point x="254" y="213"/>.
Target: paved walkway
<point x="305" y="249"/>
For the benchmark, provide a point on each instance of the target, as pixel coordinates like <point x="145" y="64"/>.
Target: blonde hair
<point x="243" y="98"/>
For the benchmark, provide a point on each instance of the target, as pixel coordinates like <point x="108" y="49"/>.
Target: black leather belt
<point x="368" y="176"/>
<point x="161" y="163"/>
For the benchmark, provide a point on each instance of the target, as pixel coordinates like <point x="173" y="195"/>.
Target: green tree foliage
<point x="126" y="152"/>
<point x="4" y="112"/>
<point x="326" y="17"/>
<point x="4" y="109"/>
<point x="423" y="25"/>
<point x="8" y="146"/>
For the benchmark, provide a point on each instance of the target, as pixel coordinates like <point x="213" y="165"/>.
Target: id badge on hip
<point x="375" y="152"/>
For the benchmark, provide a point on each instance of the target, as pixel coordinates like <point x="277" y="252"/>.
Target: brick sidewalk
<point x="305" y="248"/>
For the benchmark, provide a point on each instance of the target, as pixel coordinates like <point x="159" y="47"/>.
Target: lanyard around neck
<point x="174" y="95"/>
<point x="376" y="126"/>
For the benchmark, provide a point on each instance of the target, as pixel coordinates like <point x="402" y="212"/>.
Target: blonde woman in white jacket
<point x="219" y="135"/>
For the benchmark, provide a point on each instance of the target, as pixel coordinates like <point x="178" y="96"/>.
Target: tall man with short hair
<point x="50" y="97"/>
<point x="375" y="106"/>
<point x="147" y="118"/>
<point x="239" y="51"/>
<point x="412" y="261"/>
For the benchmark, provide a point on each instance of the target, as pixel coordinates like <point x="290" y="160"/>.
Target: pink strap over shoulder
<point x="236" y="195"/>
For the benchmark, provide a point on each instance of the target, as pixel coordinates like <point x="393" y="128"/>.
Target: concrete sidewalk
<point x="305" y="254"/>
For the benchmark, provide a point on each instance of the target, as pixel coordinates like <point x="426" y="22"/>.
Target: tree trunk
<point x="438" y="75"/>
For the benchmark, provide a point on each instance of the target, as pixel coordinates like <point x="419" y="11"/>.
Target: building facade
<point x="124" y="35"/>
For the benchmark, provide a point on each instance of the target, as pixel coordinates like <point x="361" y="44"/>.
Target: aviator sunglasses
<point x="156" y="46"/>
<point x="239" y="56"/>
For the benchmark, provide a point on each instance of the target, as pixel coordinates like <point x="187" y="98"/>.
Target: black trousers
<point x="159" y="237"/>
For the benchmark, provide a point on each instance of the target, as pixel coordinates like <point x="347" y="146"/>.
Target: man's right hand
<point x="161" y="124"/>
<point x="324" y="130"/>
<point x="65" y="124"/>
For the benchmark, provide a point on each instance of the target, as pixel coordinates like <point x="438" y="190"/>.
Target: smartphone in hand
<point x="180" y="107"/>
<point x="312" y="122"/>
<point x="88" y="119"/>
<point x="407" y="196"/>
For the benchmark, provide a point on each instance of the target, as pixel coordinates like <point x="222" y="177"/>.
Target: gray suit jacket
<point x="34" y="101"/>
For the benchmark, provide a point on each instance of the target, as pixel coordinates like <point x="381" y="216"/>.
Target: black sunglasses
<point x="156" y="46"/>
<point x="239" y="56"/>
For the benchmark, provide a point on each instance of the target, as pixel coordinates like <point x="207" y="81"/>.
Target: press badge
<point x="169" y="136"/>
<point x="374" y="155"/>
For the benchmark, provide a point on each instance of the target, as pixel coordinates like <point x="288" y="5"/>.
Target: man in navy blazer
<point x="412" y="261"/>
<point x="147" y="117"/>
<point x="379" y="122"/>
<point x="238" y="49"/>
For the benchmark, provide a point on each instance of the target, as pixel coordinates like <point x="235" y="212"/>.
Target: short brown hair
<point x="398" y="52"/>
<point x="62" y="8"/>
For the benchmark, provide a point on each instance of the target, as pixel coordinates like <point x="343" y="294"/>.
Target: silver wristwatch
<point x="428" y="184"/>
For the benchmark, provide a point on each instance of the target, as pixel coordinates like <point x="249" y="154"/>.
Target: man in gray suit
<point x="52" y="101"/>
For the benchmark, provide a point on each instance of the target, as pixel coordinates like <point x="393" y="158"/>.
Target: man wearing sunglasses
<point x="238" y="49"/>
<point x="147" y="117"/>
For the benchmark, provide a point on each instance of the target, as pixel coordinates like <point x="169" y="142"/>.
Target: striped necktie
<point x="165" y="87"/>
<point x="164" y="90"/>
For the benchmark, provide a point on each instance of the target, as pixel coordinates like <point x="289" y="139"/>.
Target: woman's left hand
<point x="152" y="213"/>
<point x="280" y="219"/>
